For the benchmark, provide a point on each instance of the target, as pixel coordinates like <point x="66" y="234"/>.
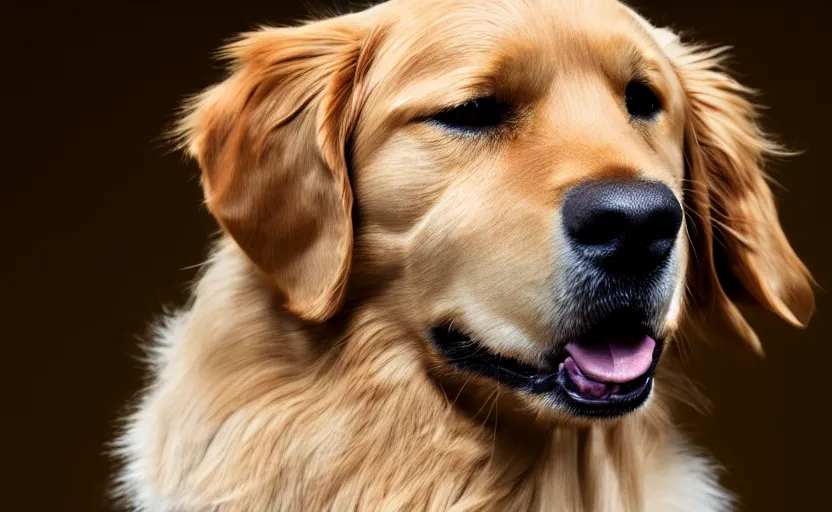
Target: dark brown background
<point x="100" y="226"/>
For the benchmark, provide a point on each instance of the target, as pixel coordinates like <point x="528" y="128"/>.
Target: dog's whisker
<point x="459" y="393"/>
<point x="496" y="420"/>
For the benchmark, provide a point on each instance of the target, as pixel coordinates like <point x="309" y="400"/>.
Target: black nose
<point x="622" y="226"/>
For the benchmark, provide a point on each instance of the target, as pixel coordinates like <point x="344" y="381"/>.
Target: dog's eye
<point x="473" y="115"/>
<point x="642" y="102"/>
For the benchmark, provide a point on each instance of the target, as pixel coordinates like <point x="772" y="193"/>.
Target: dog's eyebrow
<point x="642" y="66"/>
<point x="642" y="61"/>
<point x="438" y="93"/>
<point x="637" y="63"/>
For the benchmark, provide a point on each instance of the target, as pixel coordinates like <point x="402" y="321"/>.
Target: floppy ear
<point x="739" y="249"/>
<point x="270" y="141"/>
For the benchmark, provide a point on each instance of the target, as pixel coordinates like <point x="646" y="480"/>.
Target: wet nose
<point x="622" y="226"/>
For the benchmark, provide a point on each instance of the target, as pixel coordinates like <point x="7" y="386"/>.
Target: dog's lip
<point x="462" y="351"/>
<point x="556" y="375"/>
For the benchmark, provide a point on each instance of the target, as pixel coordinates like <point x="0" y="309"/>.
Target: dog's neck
<point x="346" y="415"/>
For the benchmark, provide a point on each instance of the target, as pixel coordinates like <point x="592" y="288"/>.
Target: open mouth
<point x="605" y="373"/>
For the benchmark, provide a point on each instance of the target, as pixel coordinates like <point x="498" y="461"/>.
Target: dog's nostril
<point x="603" y="228"/>
<point x="623" y="225"/>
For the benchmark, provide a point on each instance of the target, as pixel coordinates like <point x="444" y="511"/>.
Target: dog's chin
<point x="603" y="374"/>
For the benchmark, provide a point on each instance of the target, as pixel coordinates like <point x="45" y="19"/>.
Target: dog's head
<point x="540" y="191"/>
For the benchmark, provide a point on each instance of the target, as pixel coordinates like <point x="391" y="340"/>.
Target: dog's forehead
<point x="430" y="37"/>
<point x="496" y="18"/>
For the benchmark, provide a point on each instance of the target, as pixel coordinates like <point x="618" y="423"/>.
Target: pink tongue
<point x="614" y="360"/>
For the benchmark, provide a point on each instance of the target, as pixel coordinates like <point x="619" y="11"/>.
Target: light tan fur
<point x="301" y="376"/>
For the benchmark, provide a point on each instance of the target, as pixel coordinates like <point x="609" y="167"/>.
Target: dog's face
<point x="526" y="171"/>
<point x="540" y="191"/>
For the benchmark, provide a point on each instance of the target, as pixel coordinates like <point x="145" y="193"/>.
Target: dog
<point x="462" y="242"/>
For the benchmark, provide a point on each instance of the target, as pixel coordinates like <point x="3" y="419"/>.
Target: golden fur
<point x="301" y="377"/>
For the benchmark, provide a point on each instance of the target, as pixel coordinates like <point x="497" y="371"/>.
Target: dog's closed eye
<point x="473" y="115"/>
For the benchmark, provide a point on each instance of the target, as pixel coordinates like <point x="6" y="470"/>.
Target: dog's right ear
<point x="270" y="141"/>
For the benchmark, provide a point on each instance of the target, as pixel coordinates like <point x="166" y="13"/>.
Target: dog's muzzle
<point x="614" y="287"/>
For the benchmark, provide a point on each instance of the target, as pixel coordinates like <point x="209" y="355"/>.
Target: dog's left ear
<point x="739" y="250"/>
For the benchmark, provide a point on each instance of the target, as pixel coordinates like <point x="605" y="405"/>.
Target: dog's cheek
<point x="479" y="248"/>
<point x="399" y="184"/>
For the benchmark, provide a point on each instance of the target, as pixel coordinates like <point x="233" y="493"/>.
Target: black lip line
<point x="466" y="355"/>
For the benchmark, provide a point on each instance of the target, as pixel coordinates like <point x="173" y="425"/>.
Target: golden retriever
<point x="462" y="240"/>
